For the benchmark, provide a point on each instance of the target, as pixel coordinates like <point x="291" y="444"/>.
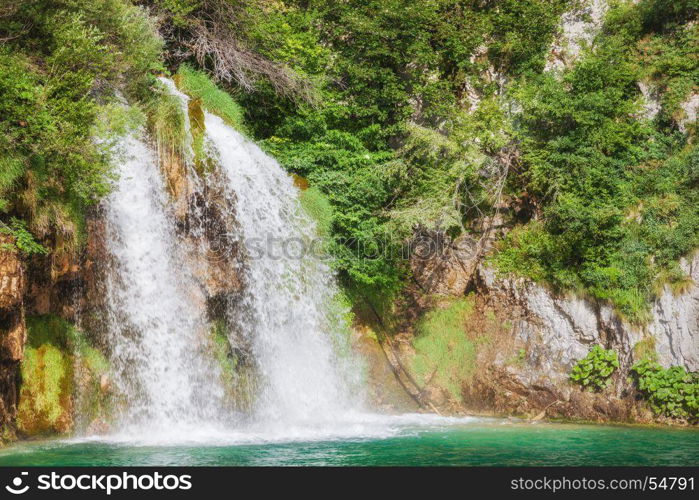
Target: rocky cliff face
<point x="13" y="331"/>
<point x="551" y="333"/>
<point x="538" y="336"/>
<point x="565" y="327"/>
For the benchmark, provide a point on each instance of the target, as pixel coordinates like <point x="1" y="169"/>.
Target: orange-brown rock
<point x="13" y="332"/>
<point x="11" y="275"/>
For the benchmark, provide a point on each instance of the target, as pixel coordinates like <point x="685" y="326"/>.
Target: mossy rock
<point x="198" y="130"/>
<point x="238" y="376"/>
<point x="45" y="400"/>
<point x="61" y="375"/>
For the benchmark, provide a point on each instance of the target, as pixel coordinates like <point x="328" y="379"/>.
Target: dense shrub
<point x="671" y="392"/>
<point x="388" y="140"/>
<point x="594" y="370"/>
<point x="616" y="190"/>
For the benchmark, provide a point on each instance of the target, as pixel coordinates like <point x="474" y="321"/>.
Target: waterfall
<point x="296" y="330"/>
<point x="167" y="381"/>
<point x="156" y="329"/>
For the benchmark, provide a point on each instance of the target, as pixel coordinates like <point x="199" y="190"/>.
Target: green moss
<point x="222" y="352"/>
<point x="166" y="122"/>
<point x="61" y="374"/>
<point x="45" y="395"/>
<point x="198" y="131"/>
<point x="443" y="354"/>
<point x="238" y="376"/>
<point x="198" y="85"/>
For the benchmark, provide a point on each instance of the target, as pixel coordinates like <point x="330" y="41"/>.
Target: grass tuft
<point x="198" y="85"/>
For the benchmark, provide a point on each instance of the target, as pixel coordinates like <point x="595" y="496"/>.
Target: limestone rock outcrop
<point x="549" y="333"/>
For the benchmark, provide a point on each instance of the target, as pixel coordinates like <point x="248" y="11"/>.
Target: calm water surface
<point x="474" y="442"/>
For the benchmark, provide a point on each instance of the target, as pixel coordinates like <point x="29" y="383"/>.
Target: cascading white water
<point x="287" y="311"/>
<point x="295" y="329"/>
<point x="157" y="332"/>
<point x="157" y="325"/>
<point x="166" y="377"/>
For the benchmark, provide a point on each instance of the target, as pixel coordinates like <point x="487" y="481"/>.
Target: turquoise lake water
<point x="457" y="442"/>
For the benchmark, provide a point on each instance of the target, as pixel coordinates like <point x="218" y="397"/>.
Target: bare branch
<point x="213" y="44"/>
<point x="212" y="36"/>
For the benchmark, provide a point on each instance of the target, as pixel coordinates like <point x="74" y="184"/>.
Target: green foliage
<point x="671" y="392"/>
<point x="316" y="204"/>
<point x="167" y="124"/>
<point x="198" y="85"/>
<point x="23" y="240"/>
<point x="431" y="175"/>
<point x="56" y="59"/>
<point x="337" y="164"/>
<point x="617" y="193"/>
<point x="395" y="144"/>
<point x="443" y="354"/>
<point x="415" y="103"/>
<point x="593" y="371"/>
<point x="389" y="143"/>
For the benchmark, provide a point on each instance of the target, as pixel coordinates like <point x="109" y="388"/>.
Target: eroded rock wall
<point x="13" y="330"/>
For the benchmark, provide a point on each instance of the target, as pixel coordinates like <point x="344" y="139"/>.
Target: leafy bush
<point x="23" y="240"/>
<point x="671" y="392"/>
<point x="594" y="370"/>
